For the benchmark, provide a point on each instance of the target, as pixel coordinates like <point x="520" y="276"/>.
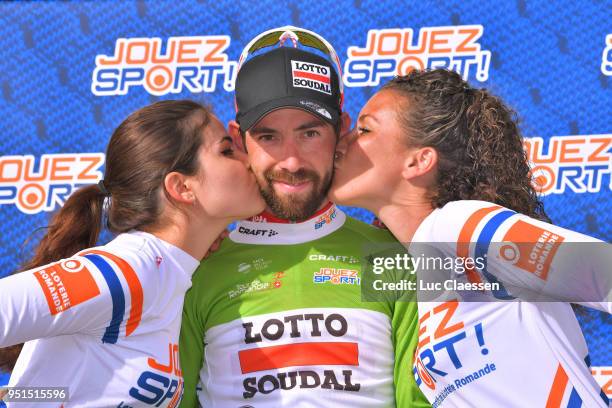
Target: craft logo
<point x="34" y="186"/>
<point x="606" y="58"/>
<point x="397" y="51"/>
<point x="257" y="232"/>
<point x="570" y="163"/>
<point x="311" y="76"/>
<point x="334" y="258"/>
<point x="194" y="64"/>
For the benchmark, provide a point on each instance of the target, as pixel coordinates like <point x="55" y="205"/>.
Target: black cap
<point x="287" y="78"/>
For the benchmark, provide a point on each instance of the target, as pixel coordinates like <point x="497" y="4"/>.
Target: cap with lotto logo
<point x="286" y="78"/>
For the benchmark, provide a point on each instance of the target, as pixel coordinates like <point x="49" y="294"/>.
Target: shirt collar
<point x="266" y="229"/>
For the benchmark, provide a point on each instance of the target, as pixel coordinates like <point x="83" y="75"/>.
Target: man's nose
<point x="292" y="158"/>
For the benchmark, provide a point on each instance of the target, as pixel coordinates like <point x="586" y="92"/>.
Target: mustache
<point x="297" y="177"/>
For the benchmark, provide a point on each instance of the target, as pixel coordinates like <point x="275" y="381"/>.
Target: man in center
<point x="275" y="318"/>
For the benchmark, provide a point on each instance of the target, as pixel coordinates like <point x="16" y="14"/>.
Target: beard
<point x="295" y="207"/>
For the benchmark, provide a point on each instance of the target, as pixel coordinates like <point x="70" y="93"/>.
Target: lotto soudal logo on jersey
<point x="66" y="284"/>
<point x="397" y="51"/>
<point x="194" y="64"/>
<point x="337" y="276"/>
<point x="606" y="58"/>
<point x="307" y="349"/>
<point x="312" y="76"/>
<point x="34" y="185"/>
<point x="530" y="248"/>
<point x="581" y="164"/>
<point x="326" y="218"/>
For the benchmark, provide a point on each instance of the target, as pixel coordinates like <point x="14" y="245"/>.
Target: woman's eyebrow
<point x="366" y="115"/>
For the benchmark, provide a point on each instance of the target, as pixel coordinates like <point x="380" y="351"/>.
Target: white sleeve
<point x="530" y="259"/>
<point x="559" y="264"/>
<point x="65" y="297"/>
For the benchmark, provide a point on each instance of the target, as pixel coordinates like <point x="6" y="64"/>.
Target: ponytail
<point x="479" y="144"/>
<point x="74" y="227"/>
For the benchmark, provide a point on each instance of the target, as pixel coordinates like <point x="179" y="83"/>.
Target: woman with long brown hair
<point x="104" y="321"/>
<point x="443" y="167"/>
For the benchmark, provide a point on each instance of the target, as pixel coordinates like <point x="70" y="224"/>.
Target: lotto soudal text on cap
<point x="287" y="78"/>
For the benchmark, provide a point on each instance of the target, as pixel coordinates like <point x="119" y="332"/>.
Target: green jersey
<point x="276" y="318"/>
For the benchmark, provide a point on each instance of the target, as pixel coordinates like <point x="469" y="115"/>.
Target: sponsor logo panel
<point x="397" y="51"/>
<point x="580" y="164"/>
<point x="66" y="284"/>
<point x="196" y="64"/>
<point x="311" y="76"/>
<point x="35" y="185"/>
<point x="530" y="248"/>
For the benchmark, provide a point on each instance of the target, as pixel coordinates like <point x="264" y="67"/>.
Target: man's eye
<point x="311" y="133"/>
<point x="228" y="152"/>
<point x="265" y="138"/>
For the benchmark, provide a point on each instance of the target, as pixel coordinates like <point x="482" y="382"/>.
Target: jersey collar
<point x="266" y="229"/>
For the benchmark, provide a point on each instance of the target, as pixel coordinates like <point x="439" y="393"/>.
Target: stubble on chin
<point x="295" y="207"/>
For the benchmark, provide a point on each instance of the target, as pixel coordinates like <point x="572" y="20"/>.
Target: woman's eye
<point x="361" y="130"/>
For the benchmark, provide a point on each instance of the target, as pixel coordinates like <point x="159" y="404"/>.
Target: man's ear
<point x="419" y="162"/>
<point x="345" y="123"/>
<point x="177" y="186"/>
<point x="233" y="128"/>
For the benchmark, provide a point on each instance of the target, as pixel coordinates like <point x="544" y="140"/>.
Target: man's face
<point x="291" y="153"/>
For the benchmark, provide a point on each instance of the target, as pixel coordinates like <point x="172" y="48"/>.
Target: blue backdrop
<point x="63" y="90"/>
